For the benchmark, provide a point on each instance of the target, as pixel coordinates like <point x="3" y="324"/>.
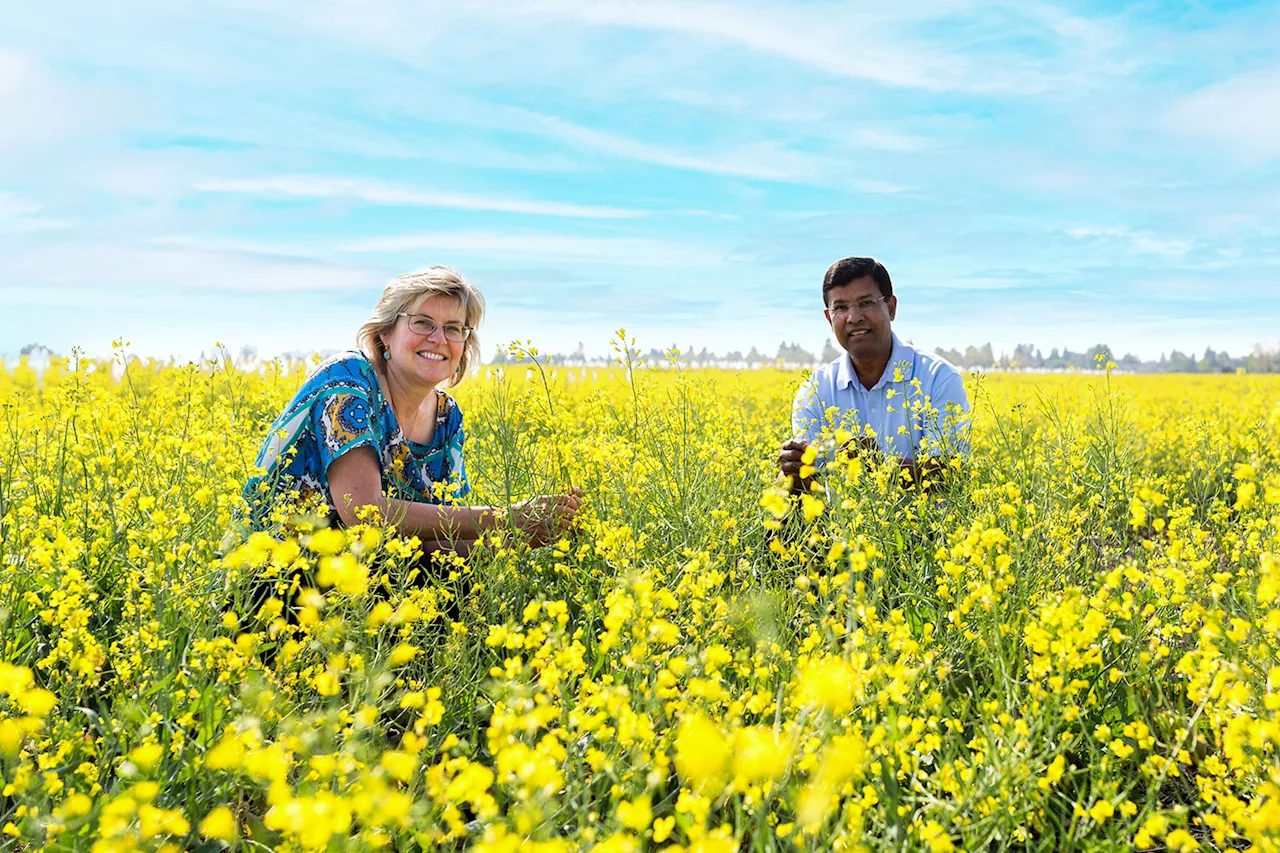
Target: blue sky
<point x="254" y="172"/>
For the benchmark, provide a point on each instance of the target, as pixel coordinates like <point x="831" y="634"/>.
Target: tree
<point x="793" y="353"/>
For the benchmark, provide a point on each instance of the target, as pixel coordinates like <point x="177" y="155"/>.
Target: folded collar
<point x="847" y="377"/>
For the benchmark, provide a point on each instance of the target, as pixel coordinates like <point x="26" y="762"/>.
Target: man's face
<point x="860" y="317"/>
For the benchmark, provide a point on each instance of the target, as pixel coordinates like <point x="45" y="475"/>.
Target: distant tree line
<point x="791" y="354"/>
<point x="1030" y="357"/>
<point x="1023" y="357"/>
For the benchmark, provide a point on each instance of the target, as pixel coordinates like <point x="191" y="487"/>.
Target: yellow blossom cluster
<point x="1068" y="640"/>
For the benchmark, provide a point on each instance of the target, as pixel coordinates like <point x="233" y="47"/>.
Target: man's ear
<point x="892" y="304"/>
<point x="827" y="313"/>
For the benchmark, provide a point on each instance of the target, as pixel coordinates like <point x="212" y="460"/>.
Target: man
<point x="895" y="400"/>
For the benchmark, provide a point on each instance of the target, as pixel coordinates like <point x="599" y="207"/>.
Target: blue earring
<point x="386" y="355"/>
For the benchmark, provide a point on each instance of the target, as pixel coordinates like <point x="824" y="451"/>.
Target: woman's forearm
<point x="426" y="521"/>
<point x="355" y="482"/>
<point x="430" y="521"/>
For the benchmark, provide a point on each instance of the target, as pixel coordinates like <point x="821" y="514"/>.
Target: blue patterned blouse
<point x="341" y="407"/>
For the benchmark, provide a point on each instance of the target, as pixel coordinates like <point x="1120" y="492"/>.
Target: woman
<point x="375" y="428"/>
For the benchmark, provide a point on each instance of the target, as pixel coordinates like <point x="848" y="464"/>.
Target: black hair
<point x="848" y="269"/>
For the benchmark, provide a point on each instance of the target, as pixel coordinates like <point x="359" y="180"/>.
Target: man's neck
<point x="870" y="369"/>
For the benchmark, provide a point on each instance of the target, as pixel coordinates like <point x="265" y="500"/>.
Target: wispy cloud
<point x="13" y="68"/>
<point x="171" y="273"/>
<point x="630" y="251"/>
<point x="11" y="206"/>
<point x="820" y="36"/>
<point x="372" y="192"/>
<point x="19" y="215"/>
<point x="768" y="160"/>
<point x="1242" y="114"/>
<point x="1138" y="240"/>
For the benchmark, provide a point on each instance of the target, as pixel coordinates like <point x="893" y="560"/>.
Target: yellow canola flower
<point x="345" y="573"/>
<point x="758" y="755"/>
<point x="327" y="683"/>
<point x="829" y="683"/>
<point x="808" y="460"/>
<point x="775" y="502"/>
<point x="147" y="755"/>
<point x="400" y="765"/>
<point x="219" y="824"/>
<point x="1053" y="772"/>
<point x="327" y="541"/>
<point x="11" y="736"/>
<point x="703" y="752"/>
<point x="37" y="702"/>
<point x="717" y="841"/>
<point x="403" y="653"/>
<point x="844" y="759"/>
<point x="154" y="821"/>
<point x="812" y="507"/>
<point x="14" y="680"/>
<point x="637" y="814"/>
<point x="313" y="820"/>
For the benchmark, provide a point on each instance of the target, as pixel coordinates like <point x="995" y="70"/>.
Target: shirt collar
<point x="847" y="377"/>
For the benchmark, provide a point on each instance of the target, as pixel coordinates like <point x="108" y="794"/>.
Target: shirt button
<point x="873" y="411"/>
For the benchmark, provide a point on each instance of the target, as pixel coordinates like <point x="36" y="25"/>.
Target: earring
<point x="386" y="355"/>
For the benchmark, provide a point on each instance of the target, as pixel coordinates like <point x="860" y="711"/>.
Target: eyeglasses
<point x="421" y="324"/>
<point x="862" y="306"/>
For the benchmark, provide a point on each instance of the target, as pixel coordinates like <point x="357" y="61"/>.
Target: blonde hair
<point x="408" y="290"/>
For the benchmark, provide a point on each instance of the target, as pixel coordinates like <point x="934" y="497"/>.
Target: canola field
<point x="1069" y="645"/>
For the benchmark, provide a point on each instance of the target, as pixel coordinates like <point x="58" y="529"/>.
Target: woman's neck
<point x="406" y="397"/>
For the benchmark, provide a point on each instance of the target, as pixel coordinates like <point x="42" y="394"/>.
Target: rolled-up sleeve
<point x="807" y="413"/>
<point x="342" y="422"/>
<point x="457" y="466"/>
<point x="947" y="427"/>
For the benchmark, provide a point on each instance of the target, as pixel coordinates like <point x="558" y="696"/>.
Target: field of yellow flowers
<point x="1070" y="645"/>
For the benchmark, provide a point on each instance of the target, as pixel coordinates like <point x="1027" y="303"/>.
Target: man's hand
<point x="860" y="445"/>
<point x="791" y="461"/>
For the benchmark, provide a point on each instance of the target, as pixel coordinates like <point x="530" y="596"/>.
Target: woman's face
<point x="429" y="359"/>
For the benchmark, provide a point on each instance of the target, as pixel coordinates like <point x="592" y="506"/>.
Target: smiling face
<point x="861" y="318"/>
<point x="426" y="359"/>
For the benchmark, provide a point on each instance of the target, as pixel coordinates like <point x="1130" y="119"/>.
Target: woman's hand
<point x="546" y="518"/>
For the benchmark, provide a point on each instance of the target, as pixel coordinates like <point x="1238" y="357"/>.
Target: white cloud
<point x="50" y="273"/>
<point x="763" y="161"/>
<point x="306" y="186"/>
<point x="888" y="140"/>
<point x="13" y="70"/>
<point x="766" y="161"/>
<point x="826" y="37"/>
<point x="1140" y="240"/>
<point x="19" y="215"/>
<point x="1242" y="113"/>
<point x="13" y="207"/>
<point x="630" y="251"/>
<point x="40" y="110"/>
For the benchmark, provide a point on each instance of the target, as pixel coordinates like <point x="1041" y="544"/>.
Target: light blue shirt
<point x="917" y="408"/>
